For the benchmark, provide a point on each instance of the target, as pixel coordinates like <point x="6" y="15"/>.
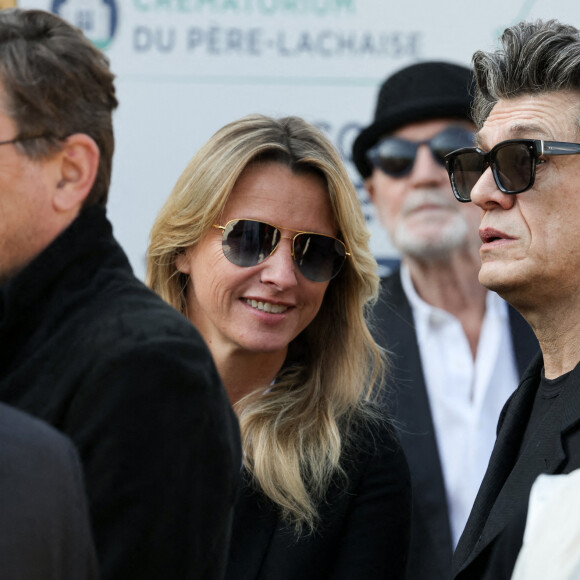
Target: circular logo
<point x="96" y="18"/>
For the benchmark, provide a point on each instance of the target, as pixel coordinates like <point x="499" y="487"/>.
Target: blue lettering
<point x="145" y="39"/>
<point x="323" y="49"/>
<point x="165" y="44"/>
<point x="367" y="45"/>
<point x="283" y="50"/>
<point x="234" y="40"/>
<point x="85" y="20"/>
<point x="194" y="38"/>
<point x="142" y="38"/>
<point x="304" y="43"/>
<point x="345" y="43"/>
<point x="213" y="37"/>
<point x="254" y="41"/>
<point x="414" y="40"/>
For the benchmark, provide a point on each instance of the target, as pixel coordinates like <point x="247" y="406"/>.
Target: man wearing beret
<point x="456" y="350"/>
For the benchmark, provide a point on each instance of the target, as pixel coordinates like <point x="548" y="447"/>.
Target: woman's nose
<point x="280" y="268"/>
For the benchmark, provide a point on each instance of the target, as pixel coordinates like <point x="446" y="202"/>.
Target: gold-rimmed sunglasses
<point x="247" y="242"/>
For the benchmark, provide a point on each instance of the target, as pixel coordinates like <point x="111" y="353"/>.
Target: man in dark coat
<point x="84" y="344"/>
<point x="456" y="350"/>
<point x="524" y="177"/>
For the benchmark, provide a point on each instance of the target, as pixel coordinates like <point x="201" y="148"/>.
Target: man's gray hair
<point x="535" y="57"/>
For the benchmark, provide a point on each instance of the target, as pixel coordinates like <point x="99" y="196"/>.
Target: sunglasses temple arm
<point x="560" y="148"/>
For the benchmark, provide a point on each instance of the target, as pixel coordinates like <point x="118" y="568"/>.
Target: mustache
<point x="437" y="198"/>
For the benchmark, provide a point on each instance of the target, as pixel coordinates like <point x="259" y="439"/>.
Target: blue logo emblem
<point x="96" y="18"/>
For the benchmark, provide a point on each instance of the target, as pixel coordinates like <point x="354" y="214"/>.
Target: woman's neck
<point x="244" y="372"/>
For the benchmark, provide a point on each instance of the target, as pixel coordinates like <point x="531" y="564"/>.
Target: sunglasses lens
<point x="247" y="243"/>
<point x="465" y="168"/>
<point x="319" y="258"/>
<point x="513" y="167"/>
<point x="394" y="157"/>
<point x="449" y="140"/>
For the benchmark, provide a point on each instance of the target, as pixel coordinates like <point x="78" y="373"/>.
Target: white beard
<point x="453" y="234"/>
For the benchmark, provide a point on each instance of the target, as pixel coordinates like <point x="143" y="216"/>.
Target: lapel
<point x="252" y="532"/>
<point x="409" y="404"/>
<point x="509" y="478"/>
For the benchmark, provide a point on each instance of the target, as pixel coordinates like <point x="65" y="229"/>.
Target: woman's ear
<point x="182" y="262"/>
<point x="78" y="162"/>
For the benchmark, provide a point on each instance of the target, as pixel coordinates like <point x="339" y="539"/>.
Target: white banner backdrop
<point x="186" y="67"/>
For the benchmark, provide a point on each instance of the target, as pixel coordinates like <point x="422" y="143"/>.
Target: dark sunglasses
<point x="248" y="242"/>
<point x="396" y="157"/>
<point x="513" y="164"/>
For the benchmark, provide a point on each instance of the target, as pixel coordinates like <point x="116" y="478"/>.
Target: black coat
<point x="364" y="523"/>
<point x="44" y="525"/>
<point x="431" y="545"/>
<point x="490" y="543"/>
<point x="88" y="348"/>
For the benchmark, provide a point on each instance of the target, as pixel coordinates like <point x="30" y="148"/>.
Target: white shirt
<point x="466" y="396"/>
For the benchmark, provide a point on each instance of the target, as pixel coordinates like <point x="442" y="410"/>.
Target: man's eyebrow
<point x="527" y="129"/>
<point x="517" y="131"/>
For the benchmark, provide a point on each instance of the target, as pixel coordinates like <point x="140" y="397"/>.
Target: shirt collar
<point x="494" y="304"/>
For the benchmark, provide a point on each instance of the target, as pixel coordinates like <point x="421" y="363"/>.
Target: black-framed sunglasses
<point x="247" y="242"/>
<point x="396" y="157"/>
<point x="513" y="164"/>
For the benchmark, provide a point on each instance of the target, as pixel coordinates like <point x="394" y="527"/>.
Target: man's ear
<point x="78" y="162"/>
<point x="370" y="187"/>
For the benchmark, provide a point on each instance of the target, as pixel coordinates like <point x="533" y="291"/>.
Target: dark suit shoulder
<point x="44" y="531"/>
<point x="19" y="430"/>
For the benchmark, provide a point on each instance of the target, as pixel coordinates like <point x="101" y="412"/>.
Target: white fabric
<point x="466" y="396"/>
<point x="552" y="534"/>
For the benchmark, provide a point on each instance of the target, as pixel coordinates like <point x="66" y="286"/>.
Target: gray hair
<point x="535" y="57"/>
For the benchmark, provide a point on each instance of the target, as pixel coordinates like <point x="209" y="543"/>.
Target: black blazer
<point x="501" y="505"/>
<point x="44" y="523"/>
<point x="364" y="522"/>
<point x="431" y="544"/>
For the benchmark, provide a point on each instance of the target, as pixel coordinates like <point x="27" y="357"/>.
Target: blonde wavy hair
<point x="293" y="435"/>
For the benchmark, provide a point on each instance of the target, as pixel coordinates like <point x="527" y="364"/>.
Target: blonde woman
<point x="263" y="246"/>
